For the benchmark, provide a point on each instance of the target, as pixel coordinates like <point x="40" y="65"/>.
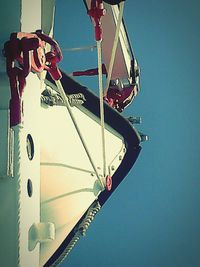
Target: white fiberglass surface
<point x="68" y="182"/>
<point x="61" y="143"/>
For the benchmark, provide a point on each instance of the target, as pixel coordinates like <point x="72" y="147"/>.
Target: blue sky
<point x="153" y="219"/>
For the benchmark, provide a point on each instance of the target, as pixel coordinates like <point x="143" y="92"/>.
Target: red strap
<point x="90" y="72"/>
<point x="28" y="50"/>
<point x="96" y="12"/>
<point x="52" y="68"/>
<point x="53" y="43"/>
<point x="108" y="182"/>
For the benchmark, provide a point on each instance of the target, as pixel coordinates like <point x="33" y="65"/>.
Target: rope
<point x="74" y="49"/>
<point x="62" y="92"/>
<point x="101" y="106"/>
<point x="80" y="231"/>
<point x="121" y="7"/>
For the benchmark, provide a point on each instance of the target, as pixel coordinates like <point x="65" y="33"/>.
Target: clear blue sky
<point x="153" y="219"/>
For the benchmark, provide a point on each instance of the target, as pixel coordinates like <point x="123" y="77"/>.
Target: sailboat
<point x="60" y="158"/>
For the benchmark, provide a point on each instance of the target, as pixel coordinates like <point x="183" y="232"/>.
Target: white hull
<point x="68" y="182"/>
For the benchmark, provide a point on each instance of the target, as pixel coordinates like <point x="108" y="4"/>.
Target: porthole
<point x="29" y="188"/>
<point x="30" y="147"/>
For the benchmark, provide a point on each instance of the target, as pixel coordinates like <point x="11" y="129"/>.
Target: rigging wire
<point x="81" y="48"/>
<point x="62" y="92"/>
<point x="102" y="92"/>
<point x="115" y="43"/>
<point x="101" y="106"/>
